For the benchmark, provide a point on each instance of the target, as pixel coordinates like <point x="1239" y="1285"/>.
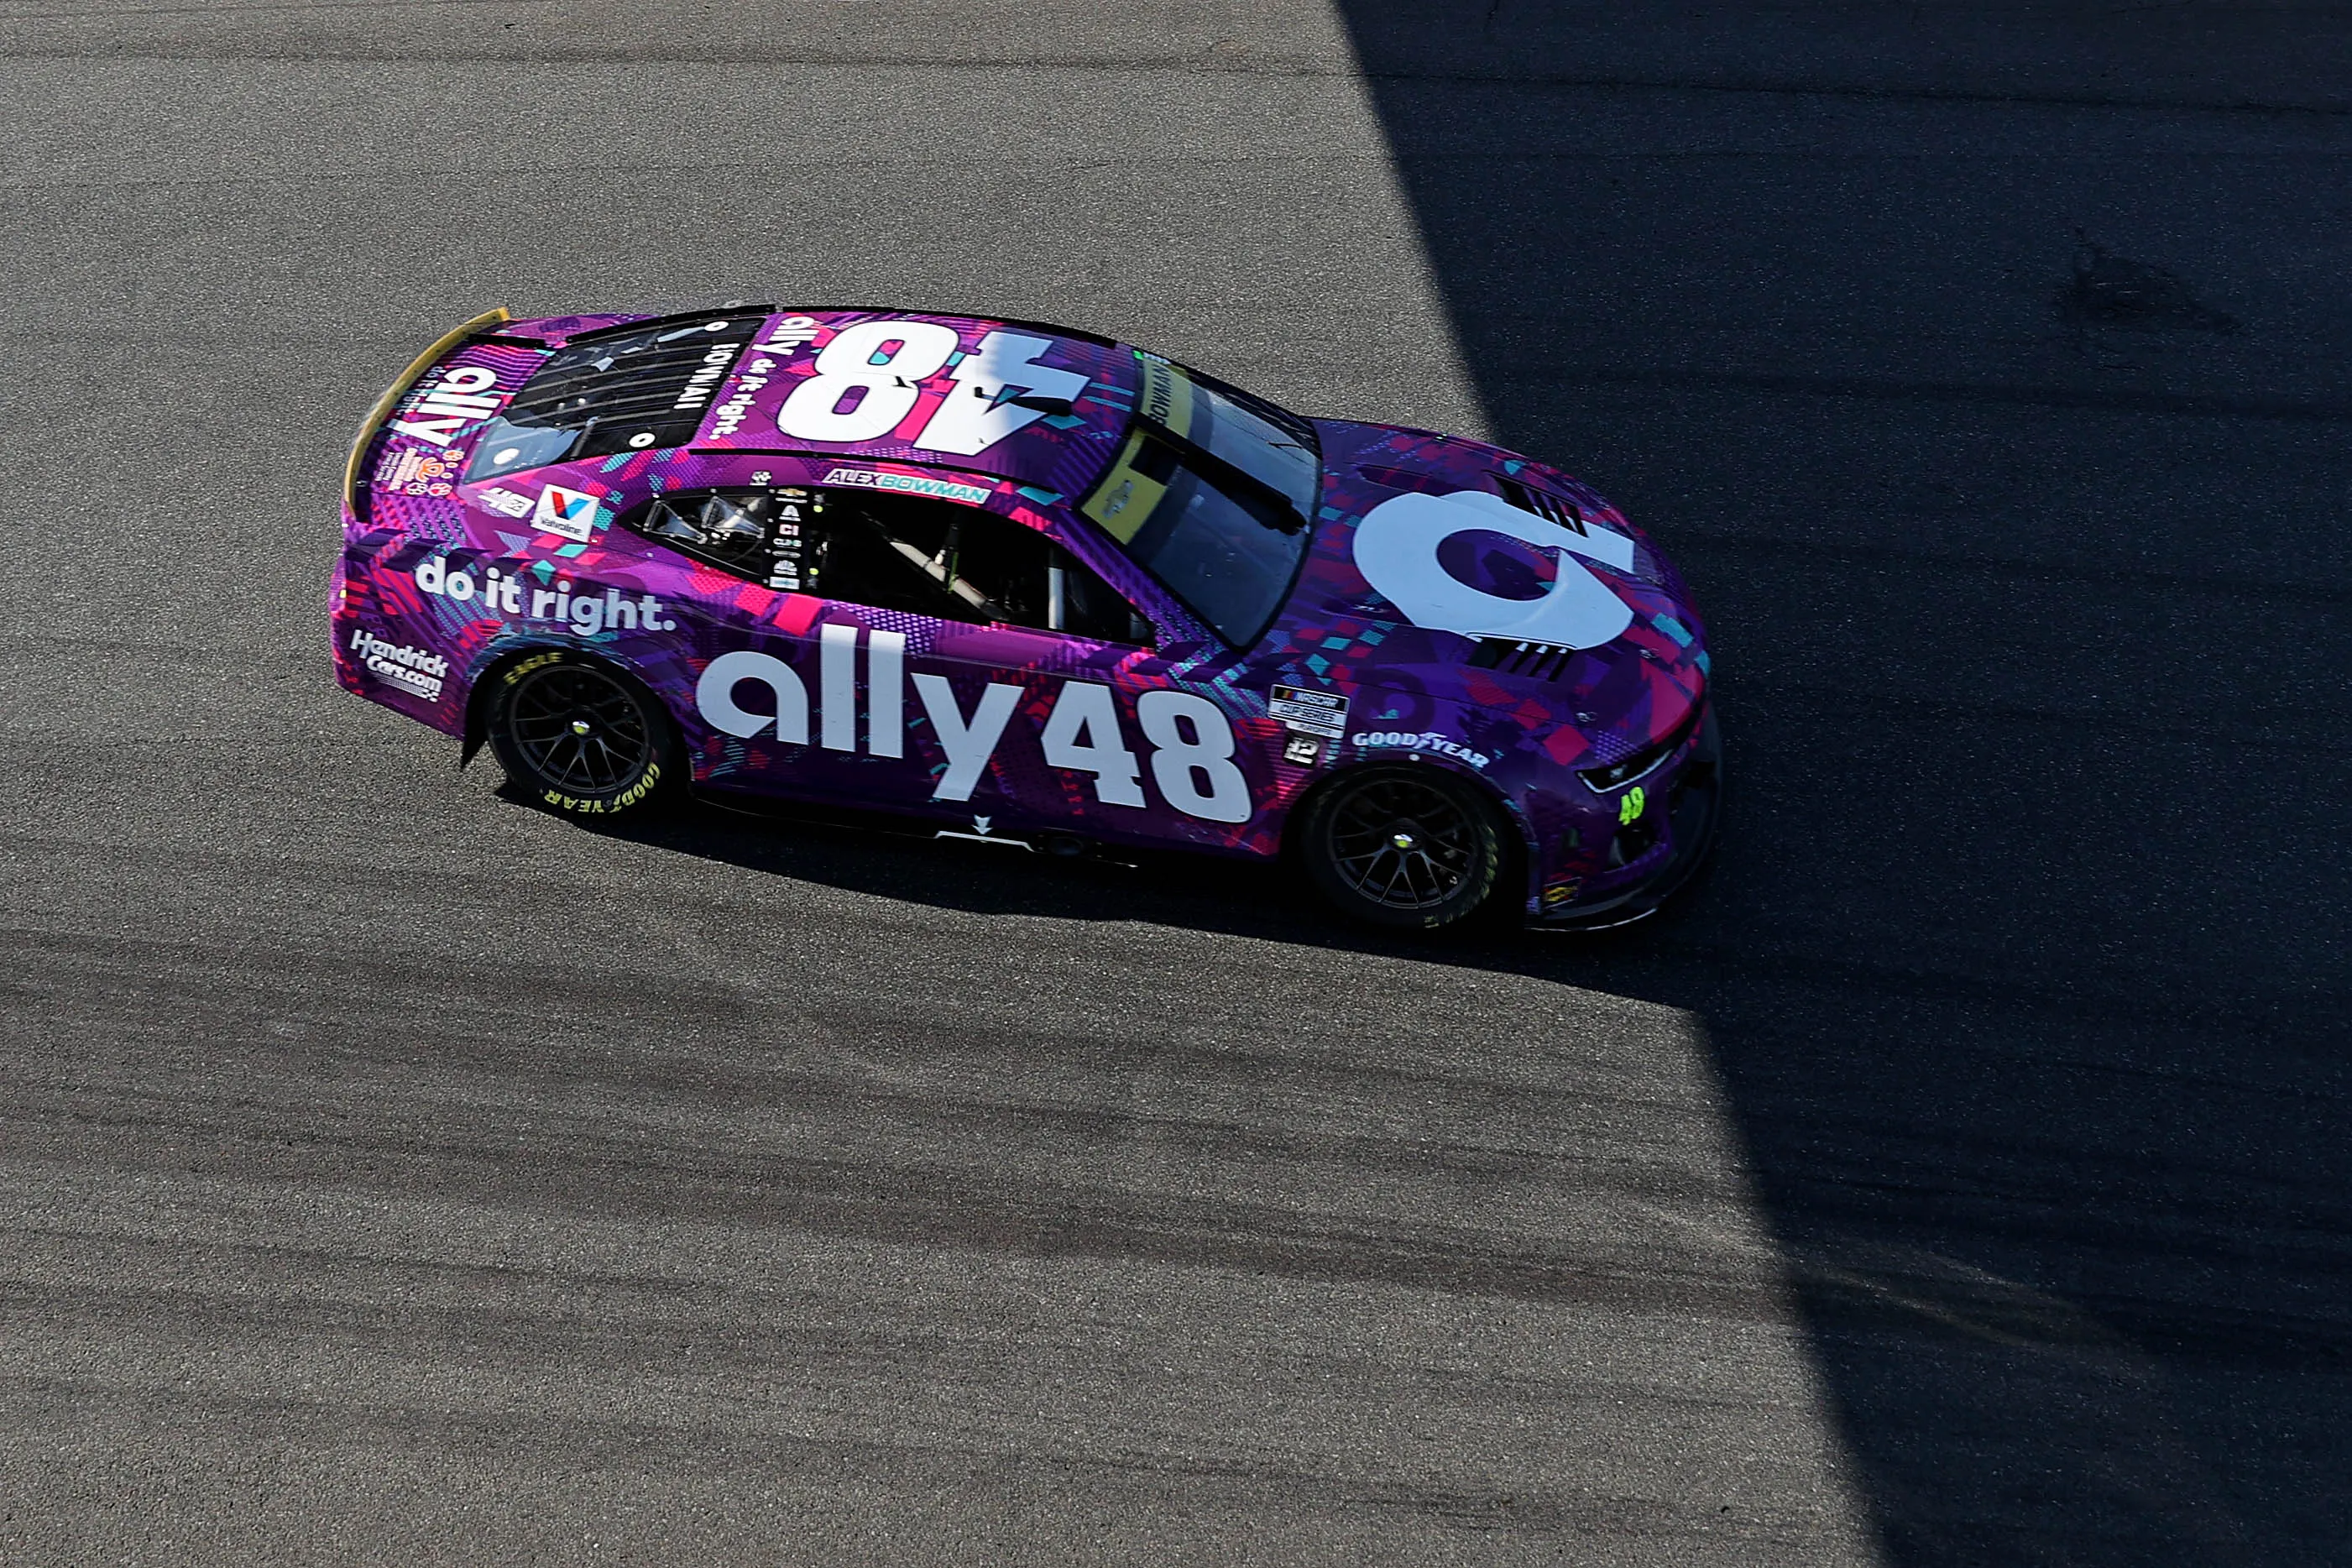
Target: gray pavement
<point x="391" y="1173"/>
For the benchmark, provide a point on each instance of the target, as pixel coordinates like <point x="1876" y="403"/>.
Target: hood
<point x="1448" y="572"/>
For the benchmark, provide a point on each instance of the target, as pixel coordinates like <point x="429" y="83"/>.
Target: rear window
<point x="622" y="391"/>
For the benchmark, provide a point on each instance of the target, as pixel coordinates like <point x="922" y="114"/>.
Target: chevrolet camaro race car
<point x="1030" y="585"/>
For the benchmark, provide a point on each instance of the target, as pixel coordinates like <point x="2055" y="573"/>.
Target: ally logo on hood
<point x="1396" y="550"/>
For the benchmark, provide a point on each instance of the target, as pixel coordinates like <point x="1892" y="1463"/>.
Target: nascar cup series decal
<point x="1306" y="711"/>
<point x="1192" y="741"/>
<point x="1396" y="550"/>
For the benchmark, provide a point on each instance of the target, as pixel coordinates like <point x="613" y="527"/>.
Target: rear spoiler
<point x="416" y="367"/>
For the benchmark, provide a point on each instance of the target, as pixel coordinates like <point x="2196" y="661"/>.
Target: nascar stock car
<point x="1030" y="585"/>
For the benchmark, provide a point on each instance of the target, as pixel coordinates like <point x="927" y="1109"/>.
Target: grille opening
<point x="1406" y="479"/>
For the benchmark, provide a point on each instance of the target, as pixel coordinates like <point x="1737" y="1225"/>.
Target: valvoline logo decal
<point x="568" y="513"/>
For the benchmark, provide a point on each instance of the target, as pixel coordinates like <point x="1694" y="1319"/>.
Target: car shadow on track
<point x="902" y="858"/>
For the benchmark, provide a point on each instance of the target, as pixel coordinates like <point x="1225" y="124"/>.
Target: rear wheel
<point x="1411" y="847"/>
<point x="581" y="736"/>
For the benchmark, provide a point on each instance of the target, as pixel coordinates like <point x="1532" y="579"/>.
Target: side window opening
<point x="979" y="567"/>
<point x="1083" y="605"/>
<point x="765" y="535"/>
<point x="888" y="569"/>
<point x="895" y="553"/>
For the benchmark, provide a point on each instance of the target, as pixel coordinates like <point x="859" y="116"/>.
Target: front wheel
<point x="581" y="737"/>
<point x="1409" y="847"/>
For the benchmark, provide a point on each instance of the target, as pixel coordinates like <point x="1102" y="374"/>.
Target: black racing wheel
<point x="581" y="736"/>
<point x="1412" y="846"/>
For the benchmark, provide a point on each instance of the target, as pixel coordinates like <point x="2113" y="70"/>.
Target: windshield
<point x="1214" y="494"/>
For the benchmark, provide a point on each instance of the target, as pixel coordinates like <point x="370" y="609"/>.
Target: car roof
<point x="1050" y="448"/>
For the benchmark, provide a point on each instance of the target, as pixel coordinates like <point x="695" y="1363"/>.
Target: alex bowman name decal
<point x="911" y="484"/>
<point x="1396" y="550"/>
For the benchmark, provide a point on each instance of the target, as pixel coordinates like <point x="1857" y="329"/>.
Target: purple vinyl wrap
<point x="440" y="580"/>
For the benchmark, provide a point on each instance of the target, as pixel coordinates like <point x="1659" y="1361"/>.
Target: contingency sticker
<point x="1323" y="714"/>
<point x="569" y="514"/>
<point x="788" y="560"/>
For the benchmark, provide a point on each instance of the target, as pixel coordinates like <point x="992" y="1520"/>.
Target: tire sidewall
<point x="1479" y="891"/>
<point x="652" y="786"/>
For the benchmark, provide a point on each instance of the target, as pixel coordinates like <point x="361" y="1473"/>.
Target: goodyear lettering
<point x="1426" y="741"/>
<point x="589" y="806"/>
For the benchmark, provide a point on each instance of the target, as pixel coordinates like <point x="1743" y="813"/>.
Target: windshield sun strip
<point x="1122" y="513"/>
<point x="1108" y="511"/>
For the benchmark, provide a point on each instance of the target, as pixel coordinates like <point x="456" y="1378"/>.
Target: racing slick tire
<point x="581" y="737"/>
<point x="1411" y="848"/>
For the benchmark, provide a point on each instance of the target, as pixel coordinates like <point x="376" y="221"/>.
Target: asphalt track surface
<point x="390" y="1172"/>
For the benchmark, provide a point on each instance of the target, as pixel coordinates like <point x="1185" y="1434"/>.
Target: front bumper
<point x="1693" y="813"/>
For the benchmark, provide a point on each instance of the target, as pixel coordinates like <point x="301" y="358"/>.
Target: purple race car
<point x="1031" y="585"/>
